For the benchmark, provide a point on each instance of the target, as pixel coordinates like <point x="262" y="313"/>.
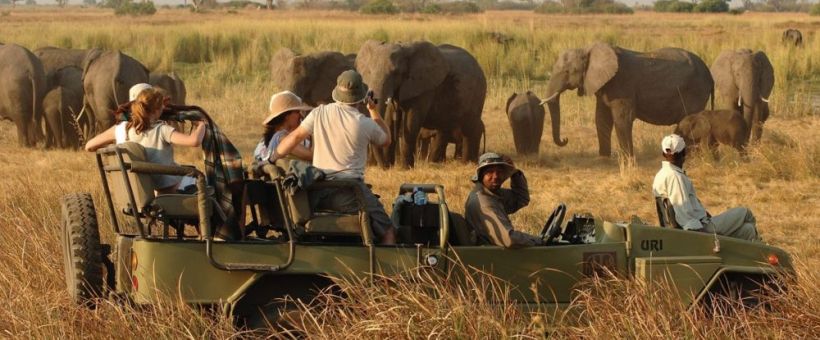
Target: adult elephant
<point x="107" y="76"/>
<point x="311" y="77"/>
<point x="172" y="84"/>
<point x="793" y="37"/>
<point x="22" y="88"/>
<point x="659" y="87"/>
<point x="435" y="87"/>
<point x="744" y="80"/>
<point x="61" y="105"/>
<point x="54" y="59"/>
<point x="526" y="116"/>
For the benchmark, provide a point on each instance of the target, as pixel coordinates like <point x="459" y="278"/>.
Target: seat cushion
<point x="177" y="205"/>
<point x="334" y="224"/>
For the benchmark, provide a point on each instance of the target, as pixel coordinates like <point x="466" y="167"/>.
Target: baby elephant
<point x="526" y="116"/>
<point x="714" y="127"/>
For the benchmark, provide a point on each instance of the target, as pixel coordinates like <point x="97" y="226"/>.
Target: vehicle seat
<point x="666" y="214"/>
<point x="417" y="224"/>
<point x="321" y="225"/>
<point x="145" y="203"/>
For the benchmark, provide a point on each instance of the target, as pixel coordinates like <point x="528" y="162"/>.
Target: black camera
<point x="370" y="98"/>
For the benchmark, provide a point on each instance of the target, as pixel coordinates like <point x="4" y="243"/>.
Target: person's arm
<point x="301" y="152"/>
<point x="497" y="225"/>
<point x="192" y="139"/>
<point x="518" y="195"/>
<point x="103" y="139"/>
<point x="377" y="118"/>
<point x="289" y="143"/>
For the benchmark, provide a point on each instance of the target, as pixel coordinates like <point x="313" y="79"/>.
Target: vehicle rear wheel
<point x="81" y="248"/>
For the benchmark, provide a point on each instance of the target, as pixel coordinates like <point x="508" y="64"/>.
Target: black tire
<point x="81" y="248"/>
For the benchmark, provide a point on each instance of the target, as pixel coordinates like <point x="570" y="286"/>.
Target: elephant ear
<point x="509" y="101"/>
<point x="602" y="65"/>
<point x="279" y="64"/>
<point x="766" y="73"/>
<point x="92" y="55"/>
<point x="426" y="69"/>
<point x="722" y="72"/>
<point x="332" y="65"/>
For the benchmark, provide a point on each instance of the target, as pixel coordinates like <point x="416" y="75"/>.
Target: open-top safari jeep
<point x="165" y="245"/>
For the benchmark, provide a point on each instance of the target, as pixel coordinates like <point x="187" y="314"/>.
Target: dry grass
<point x="779" y="183"/>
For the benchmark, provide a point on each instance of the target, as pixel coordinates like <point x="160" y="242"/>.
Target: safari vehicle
<point x="165" y="245"/>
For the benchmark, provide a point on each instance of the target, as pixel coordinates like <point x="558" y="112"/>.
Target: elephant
<point x="659" y="87"/>
<point x="793" y="37"/>
<point x="428" y="136"/>
<point x="22" y="88"/>
<point x="54" y="58"/>
<point x="435" y="87"/>
<point x="107" y="76"/>
<point x="711" y="128"/>
<point x="744" y="79"/>
<point x="311" y="77"/>
<point x="171" y="84"/>
<point x="526" y="116"/>
<point x="61" y="106"/>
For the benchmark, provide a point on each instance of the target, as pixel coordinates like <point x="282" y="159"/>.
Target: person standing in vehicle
<point x="488" y="205"/>
<point x="341" y="134"/>
<point x="672" y="183"/>
<point x="286" y="111"/>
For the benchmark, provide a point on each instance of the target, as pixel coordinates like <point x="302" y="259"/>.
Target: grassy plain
<point x="223" y="58"/>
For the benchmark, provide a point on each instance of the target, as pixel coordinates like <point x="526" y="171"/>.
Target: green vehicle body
<point x="245" y="275"/>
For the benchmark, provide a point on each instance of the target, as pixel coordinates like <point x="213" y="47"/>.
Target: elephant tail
<point x="36" y="108"/>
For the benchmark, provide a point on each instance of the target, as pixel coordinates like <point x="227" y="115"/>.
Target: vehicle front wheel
<point x="81" y="248"/>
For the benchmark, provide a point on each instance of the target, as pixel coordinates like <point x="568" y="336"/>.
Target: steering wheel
<point x="552" y="229"/>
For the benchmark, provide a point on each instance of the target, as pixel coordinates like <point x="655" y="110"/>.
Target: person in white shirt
<point x="145" y="128"/>
<point x="341" y="135"/>
<point x="672" y="183"/>
<point x="286" y="111"/>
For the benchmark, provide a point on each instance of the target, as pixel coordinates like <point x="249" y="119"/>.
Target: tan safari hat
<point x="282" y="102"/>
<point x="490" y="159"/>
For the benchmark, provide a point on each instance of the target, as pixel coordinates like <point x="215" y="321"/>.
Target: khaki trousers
<point x="736" y="222"/>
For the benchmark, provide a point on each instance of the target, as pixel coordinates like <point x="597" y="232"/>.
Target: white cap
<point x="672" y="144"/>
<point x="136" y="89"/>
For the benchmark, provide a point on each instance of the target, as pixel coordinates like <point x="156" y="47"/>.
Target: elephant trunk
<point x="555" y="115"/>
<point x="749" y="102"/>
<point x="387" y="107"/>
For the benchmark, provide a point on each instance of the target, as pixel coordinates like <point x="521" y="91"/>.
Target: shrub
<point x="431" y="9"/>
<point x="584" y="7"/>
<point x="815" y="9"/>
<point x="460" y="7"/>
<point x="712" y="6"/>
<point x="549" y="7"/>
<point x="673" y="6"/>
<point x="136" y="9"/>
<point x="379" y="7"/>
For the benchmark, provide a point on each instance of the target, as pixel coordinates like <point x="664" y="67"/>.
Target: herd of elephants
<point x="431" y="95"/>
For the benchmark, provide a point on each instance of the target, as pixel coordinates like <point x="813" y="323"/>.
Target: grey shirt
<point x="340" y="138"/>
<point x="488" y="213"/>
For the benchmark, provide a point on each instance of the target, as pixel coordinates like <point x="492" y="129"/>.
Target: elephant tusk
<point x="739" y="101"/>
<point x="764" y="99"/>
<point x="549" y="99"/>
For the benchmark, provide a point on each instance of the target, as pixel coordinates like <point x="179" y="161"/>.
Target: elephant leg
<point x="439" y="151"/>
<point x="603" y="124"/>
<point x="623" y="117"/>
<point x="472" y="140"/>
<point x="23" y="138"/>
<point x="423" y="149"/>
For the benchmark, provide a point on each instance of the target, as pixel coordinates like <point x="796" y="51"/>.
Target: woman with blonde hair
<point x="145" y="128"/>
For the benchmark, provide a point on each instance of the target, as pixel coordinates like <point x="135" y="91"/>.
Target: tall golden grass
<point x="223" y="58"/>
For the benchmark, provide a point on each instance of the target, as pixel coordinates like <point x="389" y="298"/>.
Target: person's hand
<point x="508" y="160"/>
